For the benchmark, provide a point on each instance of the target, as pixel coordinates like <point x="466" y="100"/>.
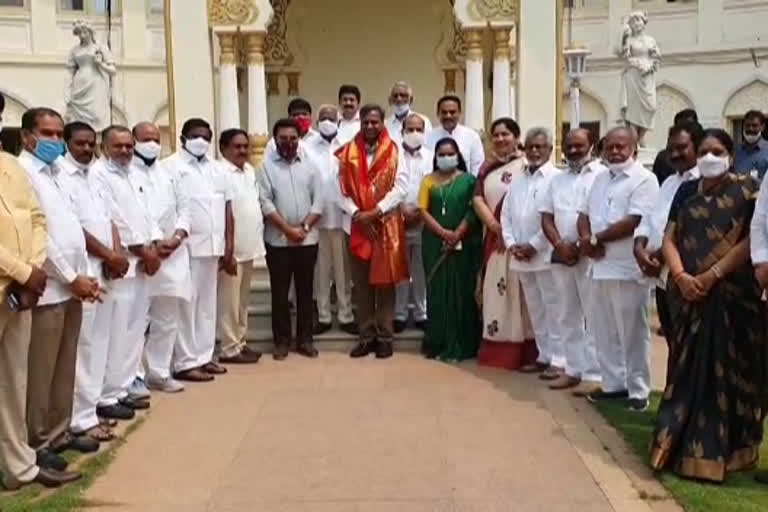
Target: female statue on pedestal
<point x="91" y="66"/>
<point x="638" y="81"/>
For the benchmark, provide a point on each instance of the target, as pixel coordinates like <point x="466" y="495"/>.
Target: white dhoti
<point x="333" y="267"/>
<point x="623" y="336"/>
<point x="416" y="287"/>
<point x="163" y="330"/>
<point x="137" y="326"/>
<point x="121" y="363"/>
<point x="574" y="320"/>
<point x="93" y="345"/>
<point x="541" y="298"/>
<point x="197" y="321"/>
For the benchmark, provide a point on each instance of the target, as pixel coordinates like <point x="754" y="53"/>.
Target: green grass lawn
<point x="35" y="498"/>
<point x="739" y="493"/>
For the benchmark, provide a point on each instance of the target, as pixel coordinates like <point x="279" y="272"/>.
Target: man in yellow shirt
<point x="22" y="282"/>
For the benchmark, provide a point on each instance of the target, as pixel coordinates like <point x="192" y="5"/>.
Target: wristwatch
<point x="305" y="227"/>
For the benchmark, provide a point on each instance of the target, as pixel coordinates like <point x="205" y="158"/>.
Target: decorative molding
<point x="458" y="50"/>
<point x="231" y="12"/>
<point x="226" y="48"/>
<point x="501" y="48"/>
<point x="474" y="40"/>
<point x="492" y="9"/>
<point x="254" y="48"/>
<point x="273" y="83"/>
<point x="277" y="51"/>
<point x="293" y="83"/>
<point x="449" y="79"/>
<point x="258" y="146"/>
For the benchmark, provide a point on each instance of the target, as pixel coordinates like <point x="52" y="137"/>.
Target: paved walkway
<point x="337" y="435"/>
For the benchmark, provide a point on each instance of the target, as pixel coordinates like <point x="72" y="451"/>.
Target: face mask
<point x="49" y="150"/>
<point x="149" y="150"/>
<point x="113" y="165"/>
<point x="620" y="166"/>
<point x="711" y="166"/>
<point x="327" y="127"/>
<point x="197" y="146"/>
<point x="401" y="110"/>
<point x="577" y="165"/>
<point x="413" y="140"/>
<point x="288" y="150"/>
<point x="305" y="123"/>
<point x="447" y="163"/>
<point x="751" y="138"/>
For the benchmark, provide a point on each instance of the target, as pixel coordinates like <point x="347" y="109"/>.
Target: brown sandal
<point x="100" y="434"/>
<point x="213" y="368"/>
<point x="193" y="375"/>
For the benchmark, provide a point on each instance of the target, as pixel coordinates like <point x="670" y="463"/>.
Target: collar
<point x="139" y="163"/>
<point x="371" y="149"/>
<point x="412" y="153"/>
<point x="232" y="167"/>
<point x="34" y="163"/>
<point x="277" y="157"/>
<point x="74" y="167"/>
<point x="761" y="144"/>
<point x="450" y="133"/>
<point x="691" y="174"/>
<point x="190" y="158"/>
<point x="539" y="171"/>
<point x="353" y="120"/>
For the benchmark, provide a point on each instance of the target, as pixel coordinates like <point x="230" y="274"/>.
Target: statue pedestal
<point x="646" y="156"/>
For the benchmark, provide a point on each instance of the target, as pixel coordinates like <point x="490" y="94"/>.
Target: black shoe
<point x="350" y="328"/>
<point x="363" y="349"/>
<point x="52" y="478"/>
<point x="307" y="349"/>
<point x="599" y="395"/>
<point x="82" y="444"/>
<point x="47" y="459"/>
<point x="280" y="352"/>
<point x="134" y="403"/>
<point x="638" y="404"/>
<point x="421" y="325"/>
<point x="384" y="350"/>
<point x="117" y="411"/>
<point x="321" y="328"/>
<point x="761" y="477"/>
<point x="399" y="326"/>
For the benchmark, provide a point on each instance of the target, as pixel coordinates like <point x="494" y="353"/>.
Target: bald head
<point x="620" y="143"/>
<point x="328" y="112"/>
<point x="577" y="148"/>
<point x="146" y="131"/>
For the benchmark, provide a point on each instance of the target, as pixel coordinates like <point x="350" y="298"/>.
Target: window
<point x="92" y="7"/>
<point x="11" y="3"/>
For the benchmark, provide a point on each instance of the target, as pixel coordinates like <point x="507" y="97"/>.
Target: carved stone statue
<point x="638" y="80"/>
<point x="91" y="65"/>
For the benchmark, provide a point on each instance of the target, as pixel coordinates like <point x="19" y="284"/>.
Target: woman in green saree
<point x="710" y="421"/>
<point x="451" y="249"/>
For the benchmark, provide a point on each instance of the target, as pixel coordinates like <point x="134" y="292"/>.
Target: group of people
<point x="123" y="273"/>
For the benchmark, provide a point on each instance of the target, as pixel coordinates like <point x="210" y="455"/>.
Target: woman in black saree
<point x="710" y="418"/>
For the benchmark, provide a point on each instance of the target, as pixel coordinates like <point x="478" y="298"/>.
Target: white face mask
<point x="711" y="166"/>
<point x="327" y="127"/>
<point x="413" y="140"/>
<point x="197" y="146"/>
<point x="115" y="166"/>
<point x="751" y="138"/>
<point x="401" y="110"/>
<point x="447" y="163"/>
<point x="149" y="150"/>
<point x="620" y="166"/>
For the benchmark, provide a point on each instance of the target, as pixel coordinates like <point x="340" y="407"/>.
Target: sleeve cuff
<point x="21" y="273"/>
<point x="642" y="231"/>
<point x="759" y="256"/>
<point x="68" y="274"/>
<point x="268" y="209"/>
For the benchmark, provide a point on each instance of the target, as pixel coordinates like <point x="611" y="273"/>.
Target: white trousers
<point x="417" y="286"/>
<point x="333" y="267"/>
<point x="541" y="298"/>
<point x="164" y="315"/>
<point x="623" y="336"/>
<point x="574" y="319"/>
<point x="138" y="326"/>
<point x="197" y="321"/>
<point x="121" y="353"/>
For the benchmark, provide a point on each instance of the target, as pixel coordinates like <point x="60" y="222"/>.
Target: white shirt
<point x="127" y="191"/>
<point x="392" y="199"/>
<point x="208" y="190"/>
<point x="249" y="222"/>
<point x="654" y="221"/>
<point x="418" y="165"/>
<point x="469" y="142"/>
<point x="169" y="206"/>
<point x="520" y="217"/>
<point x="348" y="128"/>
<point x="567" y="191"/>
<point x="91" y="207"/>
<point x="612" y="198"/>
<point x="66" y="256"/>
<point x="321" y="151"/>
<point x="394" y="125"/>
<point x="758" y="235"/>
<point x="293" y="190"/>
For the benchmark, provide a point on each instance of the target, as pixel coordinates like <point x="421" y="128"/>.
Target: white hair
<point x="401" y="83"/>
<point x="538" y="131"/>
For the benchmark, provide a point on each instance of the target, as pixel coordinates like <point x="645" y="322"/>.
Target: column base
<point x="258" y="146"/>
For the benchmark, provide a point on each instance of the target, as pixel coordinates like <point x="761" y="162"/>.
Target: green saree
<point x="453" y="328"/>
<point x="710" y="419"/>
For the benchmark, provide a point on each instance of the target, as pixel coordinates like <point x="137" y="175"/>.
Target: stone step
<point x="260" y="291"/>
<point x="335" y="340"/>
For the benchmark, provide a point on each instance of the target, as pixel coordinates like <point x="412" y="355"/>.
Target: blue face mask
<point x="49" y="150"/>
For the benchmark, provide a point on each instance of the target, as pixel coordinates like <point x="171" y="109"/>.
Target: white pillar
<point x="575" y="114"/>
<point x="474" y="112"/>
<point x="710" y="23"/>
<point x="537" y="64"/>
<point x="501" y="73"/>
<point x="229" y="104"/>
<point x="258" y="123"/>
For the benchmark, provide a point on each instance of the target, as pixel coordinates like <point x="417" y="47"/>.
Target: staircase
<point x="260" y="323"/>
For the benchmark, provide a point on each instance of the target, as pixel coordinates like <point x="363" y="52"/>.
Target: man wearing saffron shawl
<point x="373" y="182"/>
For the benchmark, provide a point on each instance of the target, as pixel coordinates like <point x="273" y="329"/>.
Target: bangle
<point x="676" y="276"/>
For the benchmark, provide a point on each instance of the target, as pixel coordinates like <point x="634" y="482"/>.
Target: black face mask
<point x="147" y="161"/>
<point x="288" y="150"/>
